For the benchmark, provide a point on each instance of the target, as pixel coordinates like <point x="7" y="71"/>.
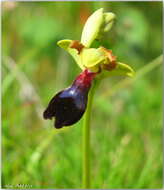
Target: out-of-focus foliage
<point x="126" y="132"/>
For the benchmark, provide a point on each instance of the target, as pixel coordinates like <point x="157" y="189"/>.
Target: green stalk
<point x="86" y="140"/>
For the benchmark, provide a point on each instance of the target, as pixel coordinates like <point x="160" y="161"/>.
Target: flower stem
<point x="86" y="139"/>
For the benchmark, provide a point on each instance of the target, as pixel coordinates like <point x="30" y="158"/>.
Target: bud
<point x="98" y="23"/>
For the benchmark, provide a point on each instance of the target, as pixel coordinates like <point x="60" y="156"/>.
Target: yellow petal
<point x="91" y="57"/>
<point x="65" y="45"/>
<point x="120" y="70"/>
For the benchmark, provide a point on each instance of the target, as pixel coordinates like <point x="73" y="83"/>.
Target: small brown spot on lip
<point x="77" y="45"/>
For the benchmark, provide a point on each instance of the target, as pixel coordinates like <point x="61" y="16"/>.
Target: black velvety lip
<point x="69" y="105"/>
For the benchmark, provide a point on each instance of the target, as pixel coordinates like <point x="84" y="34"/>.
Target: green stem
<point x="86" y="139"/>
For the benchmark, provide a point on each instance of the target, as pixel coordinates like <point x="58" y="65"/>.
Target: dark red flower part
<point x="69" y="105"/>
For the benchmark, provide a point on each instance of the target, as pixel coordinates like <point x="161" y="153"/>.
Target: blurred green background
<point x="126" y="134"/>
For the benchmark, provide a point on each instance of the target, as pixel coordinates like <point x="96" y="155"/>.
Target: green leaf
<point x="120" y="70"/>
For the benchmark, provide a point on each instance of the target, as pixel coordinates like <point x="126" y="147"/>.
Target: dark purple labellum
<point x="69" y="105"/>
